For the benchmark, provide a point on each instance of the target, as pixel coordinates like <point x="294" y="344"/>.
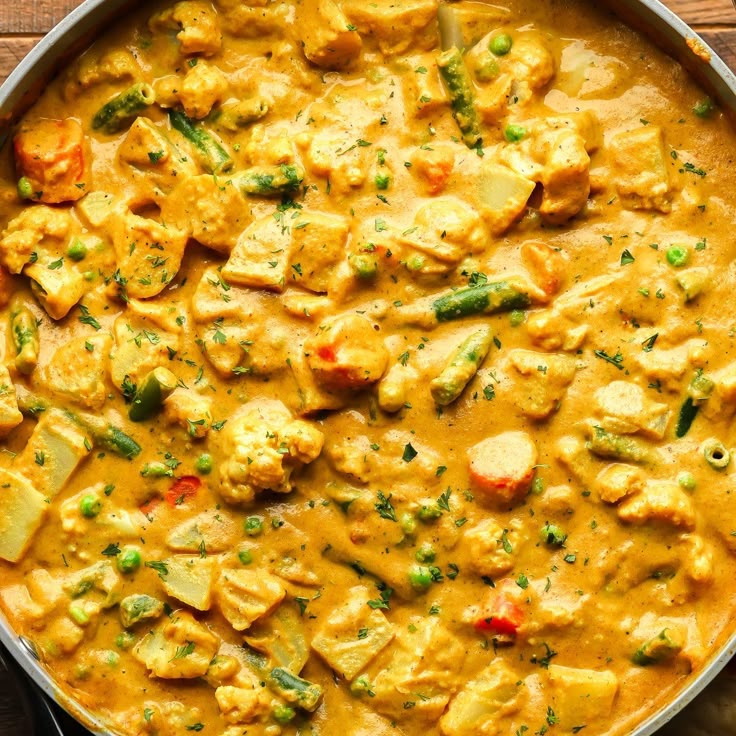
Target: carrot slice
<point x="182" y="490"/>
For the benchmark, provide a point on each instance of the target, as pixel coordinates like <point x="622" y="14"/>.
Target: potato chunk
<point x="339" y="639"/>
<point x="581" y="695"/>
<point x="244" y="596"/>
<point x="22" y="510"/>
<point x="639" y="164"/>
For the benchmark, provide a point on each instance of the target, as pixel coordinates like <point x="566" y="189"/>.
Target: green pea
<point x="552" y="535"/>
<point x="129" y="560"/>
<point x="487" y="69"/>
<point x="253" y="526"/>
<point x="408" y="523"/>
<point x="90" y="506"/>
<point x="78" y="614"/>
<point x="382" y="181"/>
<point x="678" y="255"/>
<point x="514" y="133"/>
<point x="204" y="464"/>
<point x="25" y="188"/>
<point x="426" y="553"/>
<point x="430" y="512"/>
<point x="420" y="577"/>
<point x="686" y="481"/>
<point x="704" y="108"/>
<point x="77" y="250"/>
<point x="538" y="486"/>
<point x="245" y="556"/>
<point x="517" y="317"/>
<point x="501" y="44"/>
<point x="283" y="713"/>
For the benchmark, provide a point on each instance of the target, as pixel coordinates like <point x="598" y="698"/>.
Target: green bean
<point x="657" y="649"/>
<point x="608" y="445"/>
<point x="488" y="298"/>
<point x="113" y="116"/>
<point x="233" y="116"/>
<point x="24" y="329"/>
<point x="139" y="607"/>
<point x="269" y="181"/>
<point x="294" y="689"/>
<point x="214" y="158"/>
<point x="461" y="367"/>
<point x="364" y="266"/>
<point x="699" y="390"/>
<point x="552" y="535"/>
<point x="460" y="88"/>
<point x="151" y="393"/>
<point x="716" y="454"/>
<point x="104" y="434"/>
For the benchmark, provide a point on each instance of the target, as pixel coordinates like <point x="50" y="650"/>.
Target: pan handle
<point x="35" y="704"/>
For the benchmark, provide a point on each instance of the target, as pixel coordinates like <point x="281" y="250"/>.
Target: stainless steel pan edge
<point x="91" y="18"/>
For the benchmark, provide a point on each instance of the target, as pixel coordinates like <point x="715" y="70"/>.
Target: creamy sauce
<point x="327" y="410"/>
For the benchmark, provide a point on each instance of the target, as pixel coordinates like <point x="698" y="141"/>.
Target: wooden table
<point x="23" y="23"/>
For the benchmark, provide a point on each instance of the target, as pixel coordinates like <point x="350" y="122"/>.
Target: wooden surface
<point x="23" y="23"/>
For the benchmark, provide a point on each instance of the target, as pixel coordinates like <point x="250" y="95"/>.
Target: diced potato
<point x="22" y="510"/>
<point x="693" y="282"/>
<point x="57" y="289"/>
<point x="148" y="254"/>
<point x="339" y="640"/>
<point x="318" y="247"/>
<point x="10" y="416"/>
<point x="581" y="695"/>
<point x="625" y="408"/>
<point x="212" y="210"/>
<point x="424" y="660"/>
<point x="78" y="370"/>
<point x="486" y="550"/>
<point x="181" y="647"/>
<point x="503" y="196"/>
<point x="203" y="86"/>
<point x="96" y="207"/>
<point x="424" y="91"/>
<point x="189" y="580"/>
<point x="53" y="452"/>
<point x="639" y="165"/>
<point x="190" y="410"/>
<point x="261" y="256"/>
<point x="244" y="596"/>
<point x="329" y="42"/>
<point x="476" y="707"/>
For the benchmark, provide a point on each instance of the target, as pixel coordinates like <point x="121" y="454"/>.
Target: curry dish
<point x="368" y="369"/>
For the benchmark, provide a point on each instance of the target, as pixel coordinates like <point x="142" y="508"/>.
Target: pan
<point x="84" y="24"/>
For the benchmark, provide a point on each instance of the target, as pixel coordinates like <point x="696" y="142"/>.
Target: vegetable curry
<point x="366" y="370"/>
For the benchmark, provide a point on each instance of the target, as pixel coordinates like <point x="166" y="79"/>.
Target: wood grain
<point x="704" y="12"/>
<point x="36" y="16"/>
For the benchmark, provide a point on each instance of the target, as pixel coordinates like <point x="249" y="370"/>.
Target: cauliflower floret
<point x="201" y="89"/>
<point x="243" y="705"/>
<point x="662" y="501"/>
<point x="263" y="445"/>
<point x="190" y="410"/>
<point x="488" y="553"/>
<point x="199" y="30"/>
<point x="329" y="40"/>
<point x="36" y="229"/>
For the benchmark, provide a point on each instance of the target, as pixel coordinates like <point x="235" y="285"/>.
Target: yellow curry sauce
<point x="369" y="374"/>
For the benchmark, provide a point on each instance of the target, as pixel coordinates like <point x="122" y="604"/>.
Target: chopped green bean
<point x="122" y="108"/>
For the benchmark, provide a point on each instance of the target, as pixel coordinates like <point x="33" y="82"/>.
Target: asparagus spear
<point x="151" y="393"/>
<point x="113" y="115"/>
<point x="461" y="367"/>
<point x="24" y="331"/>
<point x="213" y="156"/>
<point x="104" y="433"/>
<point x="269" y="181"/>
<point x="460" y="88"/>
